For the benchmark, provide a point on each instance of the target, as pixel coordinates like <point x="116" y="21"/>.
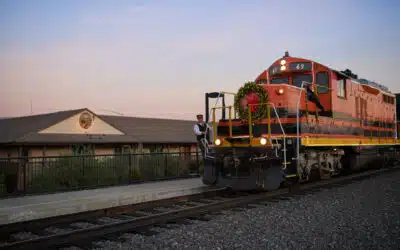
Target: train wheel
<point x="315" y="174"/>
<point x="325" y="175"/>
<point x="385" y="161"/>
<point x="324" y="171"/>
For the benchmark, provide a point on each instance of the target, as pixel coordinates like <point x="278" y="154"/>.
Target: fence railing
<point x="35" y="175"/>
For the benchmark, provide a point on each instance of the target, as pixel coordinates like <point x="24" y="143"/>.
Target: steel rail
<point x="68" y="238"/>
<point x="42" y="223"/>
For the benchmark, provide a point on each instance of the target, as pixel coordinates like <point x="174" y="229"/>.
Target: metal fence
<point x="34" y="175"/>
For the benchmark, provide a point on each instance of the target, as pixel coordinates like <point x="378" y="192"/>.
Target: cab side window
<point x="262" y="81"/>
<point x="341" y="85"/>
<point x="299" y="79"/>
<point x="322" y="81"/>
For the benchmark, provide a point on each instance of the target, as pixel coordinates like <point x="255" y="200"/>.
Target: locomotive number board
<point x="275" y="70"/>
<point x="296" y="66"/>
<point x="300" y="66"/>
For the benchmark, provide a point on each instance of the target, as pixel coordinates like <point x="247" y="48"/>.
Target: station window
<point x="322" y="79"/>
<point x="262" y="81"/>
<point x="82" y="149"/>
<point x="126" y="149"/>
<point x="341" y="84"/>
<point x="156" y="148"/>
<point x="117" y="150"/>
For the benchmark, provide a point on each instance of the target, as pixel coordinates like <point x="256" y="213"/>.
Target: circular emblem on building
<point x="85" y="120"/>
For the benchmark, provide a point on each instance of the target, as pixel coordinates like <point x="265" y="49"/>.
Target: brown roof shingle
<point x="153" y="130"/>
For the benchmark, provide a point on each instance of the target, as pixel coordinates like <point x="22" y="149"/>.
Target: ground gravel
<point x="363" y="215"/>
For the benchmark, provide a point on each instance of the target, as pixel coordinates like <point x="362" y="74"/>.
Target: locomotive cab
<point x="287" y="75"/>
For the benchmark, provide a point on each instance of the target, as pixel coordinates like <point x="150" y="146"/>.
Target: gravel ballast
<point x="362" y="215"/>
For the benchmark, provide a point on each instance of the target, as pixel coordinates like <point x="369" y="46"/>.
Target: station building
<point x="72" y="131"/>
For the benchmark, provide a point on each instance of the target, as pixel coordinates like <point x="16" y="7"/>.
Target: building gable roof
<point x="82" y="123"/>
<point x="13" y="129"/>
<point x="136" y="129"/>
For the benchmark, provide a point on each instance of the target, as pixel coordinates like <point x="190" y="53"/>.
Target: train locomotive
<point x="299" y="121"/>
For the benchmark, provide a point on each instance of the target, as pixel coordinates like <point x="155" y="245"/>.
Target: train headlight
<point x="283" y="62"/>
<point x="281" y="91"/>
<point x="263" y="141"/>
<point x="217" y="142"/>
<point x="283" y="68"/>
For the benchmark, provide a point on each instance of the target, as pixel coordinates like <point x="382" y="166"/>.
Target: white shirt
<point x="196" y="128"/>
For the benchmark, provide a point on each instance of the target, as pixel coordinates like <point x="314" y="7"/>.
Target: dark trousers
<point x="203" y="150"/>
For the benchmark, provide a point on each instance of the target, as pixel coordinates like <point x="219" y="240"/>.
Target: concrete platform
<point x="42" y="206"/>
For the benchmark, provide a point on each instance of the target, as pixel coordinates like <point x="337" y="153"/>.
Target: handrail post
<point x="230" y="121"/>
<point x="307" y="110"/>
<point x="298" y="123"/>
<point x="316" y="110"/>
<point x="216" y="102"/>
<point x="283" y="132"/>
<point x="250" y="123"/>
<point x="214" y="126"/>
<point x="269" y="121"/>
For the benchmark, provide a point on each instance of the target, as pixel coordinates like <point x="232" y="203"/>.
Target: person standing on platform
<point x="202" y="131"/>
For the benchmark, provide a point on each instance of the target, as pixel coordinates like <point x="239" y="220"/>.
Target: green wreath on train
<point x="247" y="88"/>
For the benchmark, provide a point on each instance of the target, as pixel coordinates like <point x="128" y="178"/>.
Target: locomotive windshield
<point x="279" y="80"/>
<point x="298" y="79"/>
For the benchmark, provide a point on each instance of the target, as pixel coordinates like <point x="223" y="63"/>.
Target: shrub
<point x="77" y="172"/>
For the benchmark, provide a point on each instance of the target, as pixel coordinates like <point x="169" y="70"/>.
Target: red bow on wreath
<point x="251" y="98"/>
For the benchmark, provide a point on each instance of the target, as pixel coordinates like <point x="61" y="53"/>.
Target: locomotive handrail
<point x="220" y="94"/>
<point x="225" y="92"/>
<point x="269" y="125"/>
<point x="216" y="102"/>
<point x="297" y="123"/>
<point x="316" y="110"/>
<point x="214" y="120"/>
<point x="283" y="132"/>
<point x="249" y="118"/>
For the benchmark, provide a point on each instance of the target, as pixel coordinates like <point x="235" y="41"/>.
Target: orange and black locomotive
<point x="300" y="120"/>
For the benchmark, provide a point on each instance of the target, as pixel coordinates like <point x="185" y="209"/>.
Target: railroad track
<point x="82" y="230"/>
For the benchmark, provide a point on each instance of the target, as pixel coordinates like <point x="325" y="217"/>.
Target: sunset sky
<point x="158" y="58"/>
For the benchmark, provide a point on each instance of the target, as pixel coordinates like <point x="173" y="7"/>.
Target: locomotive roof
<point x="363" y="81"/>
<point x="346" y="73"/>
